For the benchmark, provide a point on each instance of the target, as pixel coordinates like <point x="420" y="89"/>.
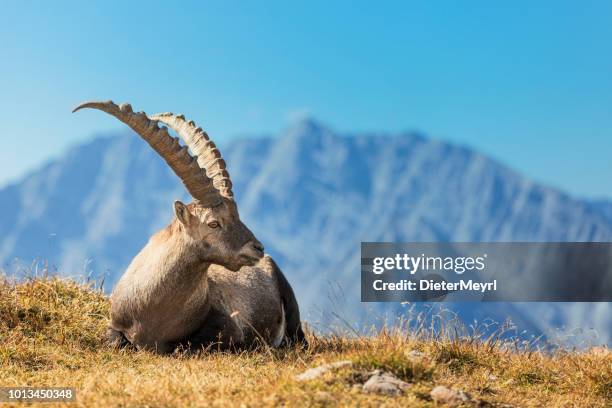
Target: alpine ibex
<point x="204" y="279"/>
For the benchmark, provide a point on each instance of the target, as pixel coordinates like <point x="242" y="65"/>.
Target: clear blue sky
<point x="529" y="83"/>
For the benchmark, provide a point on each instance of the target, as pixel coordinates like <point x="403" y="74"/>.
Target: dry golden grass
<point x="51" y="334"/>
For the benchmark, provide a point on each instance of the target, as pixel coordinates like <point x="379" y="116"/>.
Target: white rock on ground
<point x="600" y="351"/>
<point x="384" y="383"/>
<point x="445" y="395"/>
<point x="415" y="355"/>
<point x="316" y="372"/>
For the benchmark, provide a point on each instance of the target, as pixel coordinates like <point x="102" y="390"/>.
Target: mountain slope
<point x="311" y="196"/>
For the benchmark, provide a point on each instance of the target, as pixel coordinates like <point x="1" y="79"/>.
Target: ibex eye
<point x="213" y="224"/>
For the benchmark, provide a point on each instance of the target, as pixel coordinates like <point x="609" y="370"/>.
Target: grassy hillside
<point x="51" y="334"/>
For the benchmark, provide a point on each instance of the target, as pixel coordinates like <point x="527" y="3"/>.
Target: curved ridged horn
<point x="178" y="158"/>
<point x="208" y="156"/>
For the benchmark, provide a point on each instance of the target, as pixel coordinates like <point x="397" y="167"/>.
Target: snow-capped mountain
<point x="311" y="196"/>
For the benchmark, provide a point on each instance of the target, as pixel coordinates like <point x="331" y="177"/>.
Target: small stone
<point x="414" y="354"/>
<point x="322" y="396"/>
<point x="444" y="395"/>
<point x="492" y="377"/>
<point x="316" y="372"/>
<point x="385" y="384"/>
<point x="600" y="351"/>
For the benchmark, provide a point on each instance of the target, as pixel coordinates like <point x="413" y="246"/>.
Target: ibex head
<point x="218" y="234"/>
<point x="211" y="223"/>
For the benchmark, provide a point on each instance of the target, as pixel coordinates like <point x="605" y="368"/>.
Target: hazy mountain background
<point x="311" y="196"/>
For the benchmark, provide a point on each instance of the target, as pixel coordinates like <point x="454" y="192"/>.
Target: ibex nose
<point x="258" y="246"/>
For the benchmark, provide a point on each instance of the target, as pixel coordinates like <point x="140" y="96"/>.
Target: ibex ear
<point x="181" y="212"/>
